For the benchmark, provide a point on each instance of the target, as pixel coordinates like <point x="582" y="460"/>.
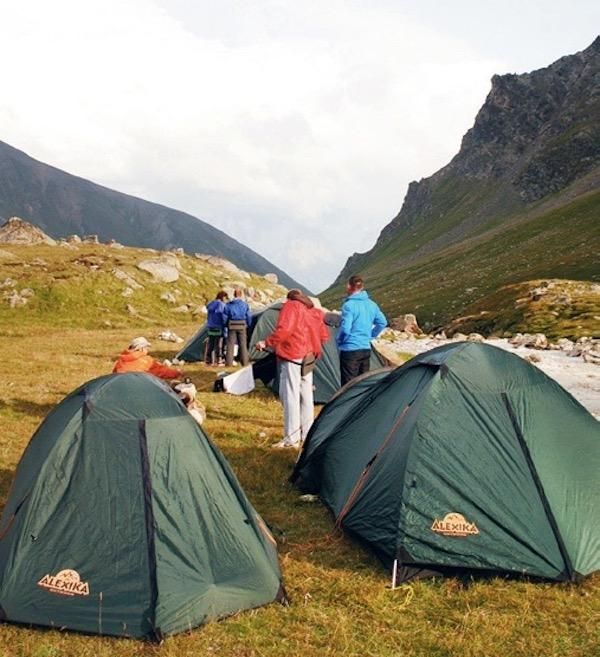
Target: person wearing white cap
<point x="137" y="359"/>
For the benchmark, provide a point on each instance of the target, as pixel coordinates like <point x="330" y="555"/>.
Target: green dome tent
<point x="124" y="519"/>
<point x="326" y="374"/>
<point x="466" y="457"/>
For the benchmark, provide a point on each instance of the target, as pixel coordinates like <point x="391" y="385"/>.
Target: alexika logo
<point x="66" y="582"/>
<point x="454" y="524"/>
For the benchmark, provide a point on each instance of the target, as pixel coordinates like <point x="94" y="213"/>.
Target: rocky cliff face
<point x="534" y="148"/>
<point x="535" y="134"/>
<point x="62" y="204"/>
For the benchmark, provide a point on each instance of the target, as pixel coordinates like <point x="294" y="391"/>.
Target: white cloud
<point x="288" y="124"/>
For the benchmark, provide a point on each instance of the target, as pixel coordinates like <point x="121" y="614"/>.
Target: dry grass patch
<point x="341" y="601"/>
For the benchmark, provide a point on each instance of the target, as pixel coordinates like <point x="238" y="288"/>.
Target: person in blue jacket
<point x="362" y="320"/>
<point x="238" y="317"/>
<point x="216" y="324"/>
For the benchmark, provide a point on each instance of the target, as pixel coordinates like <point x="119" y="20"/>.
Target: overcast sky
<point x="295" y="126"/>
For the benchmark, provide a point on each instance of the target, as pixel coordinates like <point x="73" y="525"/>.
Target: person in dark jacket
<point x="238" y="317"/>
<point x="216" y="325"/>
<point x="362" y="320"/>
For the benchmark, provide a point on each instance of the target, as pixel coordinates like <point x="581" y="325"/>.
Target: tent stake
<point x="394" y="573"/>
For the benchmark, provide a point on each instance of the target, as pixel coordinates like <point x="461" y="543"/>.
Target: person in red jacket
<point x="136" y="359"/>
<point x="296" y="338"/>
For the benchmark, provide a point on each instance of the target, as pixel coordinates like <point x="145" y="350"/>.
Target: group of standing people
<point x="298" y="340"/>
<point x="227" y="324"/>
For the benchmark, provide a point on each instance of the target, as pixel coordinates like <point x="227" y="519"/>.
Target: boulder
<point x="90" y="239"/>
<point x="163" y="270"/>
<point x="407" y="323"/>
<point x="475" y="337"/>
<point x="272" y="278"/>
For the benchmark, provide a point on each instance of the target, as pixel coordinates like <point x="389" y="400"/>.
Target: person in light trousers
<point x="292" y="340"/>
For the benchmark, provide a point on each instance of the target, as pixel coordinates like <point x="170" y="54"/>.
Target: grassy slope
<point x="341" y="602"/>
<point x="562" y="243"/>
<point x="69" y="293"/>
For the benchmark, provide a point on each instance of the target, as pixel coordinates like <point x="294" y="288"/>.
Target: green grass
<point x="341" y="602"/>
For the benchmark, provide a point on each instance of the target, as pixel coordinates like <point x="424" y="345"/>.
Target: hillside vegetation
<point x="560" y="243"/>
<point x="99" y="286"/>
<point x="557" y="308"/>
<point x="520" y="201"/>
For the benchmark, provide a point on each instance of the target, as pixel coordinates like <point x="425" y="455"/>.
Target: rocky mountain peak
<point x="18" y="231"/>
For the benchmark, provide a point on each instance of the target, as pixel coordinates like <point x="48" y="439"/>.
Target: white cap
<point x="139" y="343"/>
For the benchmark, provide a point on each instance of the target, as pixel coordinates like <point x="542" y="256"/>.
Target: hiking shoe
<point x="282" y="444"/>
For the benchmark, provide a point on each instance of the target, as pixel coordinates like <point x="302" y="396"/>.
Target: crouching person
<point x="137" y="359"/>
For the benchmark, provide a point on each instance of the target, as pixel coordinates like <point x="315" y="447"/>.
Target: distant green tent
<point x="466" y="457"/>
<point x="326" y="373"/>
<point x="124" y="519"/>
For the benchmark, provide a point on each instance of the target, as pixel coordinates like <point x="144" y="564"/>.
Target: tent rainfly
<point x="124" y="519"/>
<point x="466" y="458"/>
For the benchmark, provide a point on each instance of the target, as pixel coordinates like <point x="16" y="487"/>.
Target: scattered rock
<point x="533" y="358"/>
<point x="127" y="292"/>
<point x="169" y="336"/>
<point x="169" y="297"/>
<point x="178" y="251"/>
<point x="127" y="279"/>
<point x="90" y="239"/>
<point x="272" y="278"/>
<point x="198" y="310"/>
<point x="215" y="261"/>
<point x="182" y="309"/>
<point x="17" y="231"/>
<point x="115" y="245"/>
<point x="74" y="239"/>
<point x="14" y="299"/>
<point x="131" y="310"/>
<point x="27" y="292"/>
<point x="7" y="282"/>
<point x="533" y="341"/>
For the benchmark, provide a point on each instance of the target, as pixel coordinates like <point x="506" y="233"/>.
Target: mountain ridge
<point x="61" y="203"/>
<point x="534" y="148"/>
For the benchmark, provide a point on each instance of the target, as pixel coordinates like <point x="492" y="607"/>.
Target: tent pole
<point x="394" y="574"/>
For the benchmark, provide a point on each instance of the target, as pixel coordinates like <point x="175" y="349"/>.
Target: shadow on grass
<point x="6" y="479"/>
<point x="303" y="531"/>
<point x="27" y="407"/>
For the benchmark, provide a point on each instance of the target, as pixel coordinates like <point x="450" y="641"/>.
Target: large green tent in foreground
<point x="124" y="519"/>
<point x="326" y="375"/>
<point x="466" y="457"/>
